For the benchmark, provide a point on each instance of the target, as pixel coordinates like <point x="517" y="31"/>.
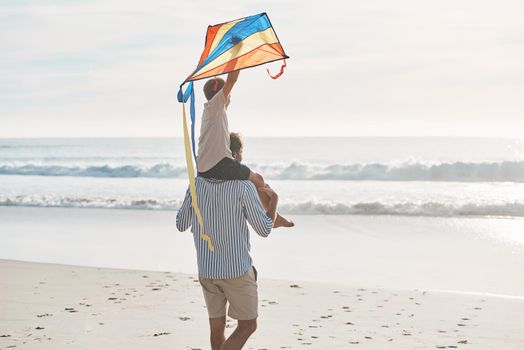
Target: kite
<point x="230" y="46"/>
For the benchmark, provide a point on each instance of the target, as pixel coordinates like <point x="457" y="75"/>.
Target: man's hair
<point x="212" y="86"/>
<point x="235" y="142"/>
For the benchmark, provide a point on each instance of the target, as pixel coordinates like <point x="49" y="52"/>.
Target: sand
<point x="47" y="306"/>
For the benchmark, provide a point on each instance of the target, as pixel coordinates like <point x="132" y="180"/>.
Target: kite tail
<point x="279" y="73"/>
<point x="192" y="186"/>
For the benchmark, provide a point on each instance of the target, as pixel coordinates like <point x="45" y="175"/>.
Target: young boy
<point x="215" y="159"/>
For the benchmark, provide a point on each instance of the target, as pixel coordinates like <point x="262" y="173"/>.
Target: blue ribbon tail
<point x="183" y="96"/>
<point x="192" y="113"/>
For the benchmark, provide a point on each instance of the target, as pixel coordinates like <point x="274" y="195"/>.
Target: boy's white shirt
<point x="213" y="143"/>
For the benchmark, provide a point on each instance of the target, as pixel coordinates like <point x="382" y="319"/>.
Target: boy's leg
<point x="256" y="179"/>
<point x="259" y="182"/>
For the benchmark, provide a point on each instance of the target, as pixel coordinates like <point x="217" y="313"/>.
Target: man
<point x="226" y="273"/>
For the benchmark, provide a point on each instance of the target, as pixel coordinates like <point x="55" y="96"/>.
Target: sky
<point x="111" y="68"/>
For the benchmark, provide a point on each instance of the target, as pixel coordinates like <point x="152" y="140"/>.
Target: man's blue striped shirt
<point x="226" y="207"/>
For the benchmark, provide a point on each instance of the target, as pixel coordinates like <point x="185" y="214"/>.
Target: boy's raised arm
<point x="230" y="82"/>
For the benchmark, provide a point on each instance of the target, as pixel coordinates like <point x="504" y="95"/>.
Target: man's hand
<point x="273" y="201"/>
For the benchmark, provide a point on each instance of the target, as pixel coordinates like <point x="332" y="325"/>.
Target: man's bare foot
<point x="282" y="222"/>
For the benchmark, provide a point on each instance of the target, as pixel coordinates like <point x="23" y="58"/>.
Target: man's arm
<point x="183" y="217"/>
<point x="254" y="212"/>
<point x="230" y="82"/>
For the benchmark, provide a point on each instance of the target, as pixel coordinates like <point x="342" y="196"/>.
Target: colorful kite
<point x="239" y="44"/>
<point x="235" y="45"/>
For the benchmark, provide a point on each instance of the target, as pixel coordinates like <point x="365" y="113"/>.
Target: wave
<point x="507" y="209"/>
<point x="93" y="202"/>
<point x="160" y="170"/>
<point x="511" y="171"/>
<point x="514" y="209"/>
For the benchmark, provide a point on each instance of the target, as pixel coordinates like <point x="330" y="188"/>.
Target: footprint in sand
<point x="161" y="333"/>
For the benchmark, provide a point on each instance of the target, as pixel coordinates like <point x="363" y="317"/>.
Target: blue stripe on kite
<point x="241" y="30"/>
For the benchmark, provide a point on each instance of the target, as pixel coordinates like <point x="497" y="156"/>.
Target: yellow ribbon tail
<point x="192" y="185"/>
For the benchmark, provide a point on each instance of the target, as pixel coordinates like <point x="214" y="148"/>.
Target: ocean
<point x="447" y="177"/>
<point x="432" y="213"/>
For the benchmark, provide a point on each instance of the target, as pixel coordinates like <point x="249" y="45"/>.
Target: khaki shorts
<point x="241" y="293"/>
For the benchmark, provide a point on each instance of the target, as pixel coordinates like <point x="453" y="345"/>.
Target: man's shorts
<point x="227" y="169"/>
<point x="241" y="293"/>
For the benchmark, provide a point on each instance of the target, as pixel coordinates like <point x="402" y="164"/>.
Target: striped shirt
<point x="226" y="208"/>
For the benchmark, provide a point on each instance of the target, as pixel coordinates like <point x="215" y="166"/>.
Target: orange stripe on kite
<point x="210" y="37"/>
<point x="262" y="54"/>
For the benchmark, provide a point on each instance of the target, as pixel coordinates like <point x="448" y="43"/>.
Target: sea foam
<point x="429" y="208"/>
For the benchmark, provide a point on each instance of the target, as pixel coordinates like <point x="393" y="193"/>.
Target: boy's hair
<point x="235" y="142"/>
<point x="212" y="86"/>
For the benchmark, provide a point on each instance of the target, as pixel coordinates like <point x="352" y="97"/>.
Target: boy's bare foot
<point x="282" y="222"/>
